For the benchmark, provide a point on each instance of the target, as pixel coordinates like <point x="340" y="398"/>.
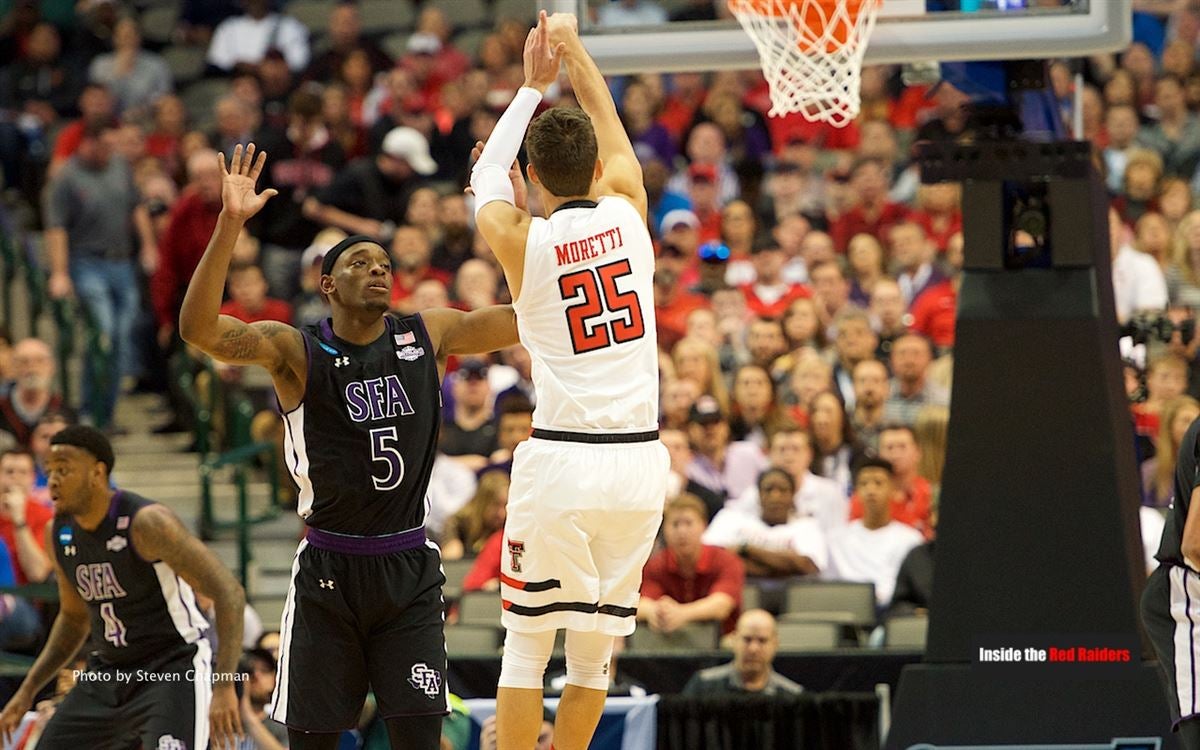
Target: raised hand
<point x="561" y="27"/>
<point x="542" y="57"/>
<point x="238" y="180"/>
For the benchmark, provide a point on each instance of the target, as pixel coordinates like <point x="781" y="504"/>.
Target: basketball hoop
<point x="811" y="53"/>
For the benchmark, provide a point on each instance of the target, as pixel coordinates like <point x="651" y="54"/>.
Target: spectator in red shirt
<point x="412" y="252"/>
<point x="193" y="218"/>
<point x="702" y="192"/>
<point x="933" y="311"/>
<point x="22" y="518"/>
<point x="871" y="213"/>
<point x="96" y="107"/>
<point x="690" y="581"/>
<point x="679" y="108"/>
<point x="939" y="212"/>
<point x="248" y="300"/>
<point x="673" y="303"/>
<point x="913" y="498"/>
<point x="769" y="295"/>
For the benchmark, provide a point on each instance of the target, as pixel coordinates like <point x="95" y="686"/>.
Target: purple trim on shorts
<point x="348" y="544"/>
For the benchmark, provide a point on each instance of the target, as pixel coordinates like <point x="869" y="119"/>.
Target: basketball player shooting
<point x="361" y="398"/>
<point x="588" y="486"/>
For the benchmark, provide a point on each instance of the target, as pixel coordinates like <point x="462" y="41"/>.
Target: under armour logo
<point x="116" y="544"/>
<point x="167" y="742"/>
<point x="69" y="550"/>
<point x="515" y="550"/>
<point x="326" y="583"/>
<point x="426" y="680"/>
<point x="341" y="361"/>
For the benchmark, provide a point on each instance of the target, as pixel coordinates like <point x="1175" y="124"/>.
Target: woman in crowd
<point x="483" y="515"/>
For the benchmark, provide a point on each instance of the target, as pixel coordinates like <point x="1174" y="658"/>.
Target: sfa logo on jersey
<point x="426" y="680"/>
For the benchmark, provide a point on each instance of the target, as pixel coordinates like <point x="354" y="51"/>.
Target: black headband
<point x="341" y="247"/>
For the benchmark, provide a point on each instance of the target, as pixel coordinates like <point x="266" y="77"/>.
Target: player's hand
<point x="541" y="56"/>
<point x="238" y="198"/>
<point x="224" y="717"/>
<point x="562" y="26"/>
<point x="13" y="713"/>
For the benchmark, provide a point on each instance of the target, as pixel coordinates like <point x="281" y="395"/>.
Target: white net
<point x="811" y="53"/>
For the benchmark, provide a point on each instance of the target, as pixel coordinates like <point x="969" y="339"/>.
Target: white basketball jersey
<point x="586" y="315"/>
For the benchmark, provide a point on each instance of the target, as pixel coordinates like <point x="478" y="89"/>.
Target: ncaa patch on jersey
<point x="411" y="353"/>
<point x="426" y="680"/>
<point x="65" y="535"/>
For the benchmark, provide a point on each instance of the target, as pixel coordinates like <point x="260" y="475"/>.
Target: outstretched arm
<point x="622" y="170"/>
<point x="498" y="215"/>
<point x="487" y="329"/>
<point x="275" y="346"/>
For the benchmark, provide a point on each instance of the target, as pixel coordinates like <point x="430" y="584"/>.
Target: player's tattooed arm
<point x="67" y="635"/>
<point x="266" y="343"/>
<point x="487" y="329"/>
<point x="158" y="535"/>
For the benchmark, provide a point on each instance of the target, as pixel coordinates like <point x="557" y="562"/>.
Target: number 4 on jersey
<point x="596" y="291"/>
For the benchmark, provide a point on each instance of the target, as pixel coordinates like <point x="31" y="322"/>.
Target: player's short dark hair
<point x="873" y="462"/>
<point x="88" y="439"/>
<point x="561" y="144"/>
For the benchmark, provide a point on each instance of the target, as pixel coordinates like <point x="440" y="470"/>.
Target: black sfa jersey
<point x="1170" y="548"/>
<point x="361" y="444"/>
<point x="140" y="610"/>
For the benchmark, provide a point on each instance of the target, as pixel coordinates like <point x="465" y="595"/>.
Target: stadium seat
<point x="382" y="16"/>
<point x="521" y="10"/>
<point x="472" y="640"/>
<point x="479" y="608"/>
<point x="808" y="636"/>
<point x="456" y="570"/>
<point x="158" y="24"/>
<point x="697" y="636"/>
<point x="312" y="13"/>
<point x="186" y="63"/>
<point x="466" y="13"/>
<point x="843" y="602"/>
<point x="906" y="632"/>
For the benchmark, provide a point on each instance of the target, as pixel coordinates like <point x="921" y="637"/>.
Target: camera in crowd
<point x="1146" y="327"/>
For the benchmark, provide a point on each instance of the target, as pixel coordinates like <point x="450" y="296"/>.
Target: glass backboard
<point x="627" y="36"/>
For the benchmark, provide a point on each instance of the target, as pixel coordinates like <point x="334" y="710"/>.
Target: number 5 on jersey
<point x="596" y="292"/>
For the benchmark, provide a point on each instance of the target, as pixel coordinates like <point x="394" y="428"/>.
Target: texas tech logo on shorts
<point x="427" y="680"/>
<point x="515" y="550"/>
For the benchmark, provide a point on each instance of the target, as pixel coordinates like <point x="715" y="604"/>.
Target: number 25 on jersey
<point x="595" y="291"/>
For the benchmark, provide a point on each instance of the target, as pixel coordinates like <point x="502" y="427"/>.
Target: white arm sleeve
<point x="489" y="176"/>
